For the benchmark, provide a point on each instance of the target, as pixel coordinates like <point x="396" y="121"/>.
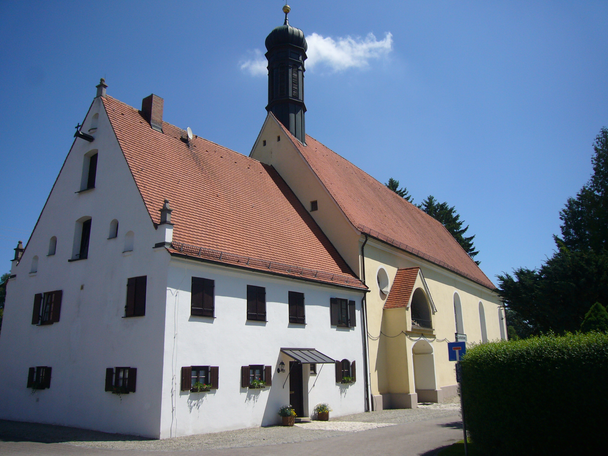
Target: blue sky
<point x="490" y="106"/>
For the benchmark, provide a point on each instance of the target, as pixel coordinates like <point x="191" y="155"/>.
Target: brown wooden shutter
<point x="268" y="375"/>
<point x="36" y="311"/>
<point x="186" y="378"/>
<point x="244" y="376"/>
<point x="208" y="298"/>
<point x="47" y="377"/>
<point x="301" y="316"/>
<point x="84" y="240"/>
<point x="132" y="379"/>
<point x="56" y="310"/>
<point x="335" y="311"/>
<point x="140" y="296"/>
<point x="214" y="377"/>
<point x="251" y="303"/>
<point x="352" y="314"/>
<point x="353" y="371"/>
<point x="196" y="297"/>
<point x="92" y="171"/>
<point x="30" y="376"/>
<point x="131" y="288"/>
<point x="109" y="378"/>
<point x="338" y="371"/>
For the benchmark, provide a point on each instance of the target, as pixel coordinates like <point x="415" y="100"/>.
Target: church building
<point x="172" y="286"/>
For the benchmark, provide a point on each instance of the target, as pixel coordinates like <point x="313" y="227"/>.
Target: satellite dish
<point x="189" y="132"/>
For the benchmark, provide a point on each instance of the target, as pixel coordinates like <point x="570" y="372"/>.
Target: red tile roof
<point x="374" y="209"/>
<point x="227" y="208"/>
<point x="403" y="286"/>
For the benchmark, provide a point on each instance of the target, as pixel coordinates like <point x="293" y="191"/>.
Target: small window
<point x="296" y="307"/>
<point x="121" y="380"/>
<point x="343" y="313"/>
<point x="200" y="378"/>
<point x="47" y="308"/>
<point x="52" y="246"/>
<point x="39" y="377"/>
<point x="314" y="206"/>
<point x="264" y="142"/>
<point x="202" y="297"/>
<point x="136" y="297"/>
<point x="34" y="266"/>
<point x="256" y="303"/>
<point x="82" y="236"/>
<point x="129" y="242"/>
<point x="256" y="376"/>
<point x="89" y="171"/>
<point x="278" y="138"/>
<point x="113" y="229"/>
<point x="346" y="371"/>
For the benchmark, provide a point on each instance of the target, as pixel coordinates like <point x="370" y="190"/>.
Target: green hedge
<point x="540" y="396"/>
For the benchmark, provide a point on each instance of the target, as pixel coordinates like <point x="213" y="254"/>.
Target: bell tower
<point x="286" y="54"/>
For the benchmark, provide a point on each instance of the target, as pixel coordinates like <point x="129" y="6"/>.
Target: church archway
<point x="424" y="371"/>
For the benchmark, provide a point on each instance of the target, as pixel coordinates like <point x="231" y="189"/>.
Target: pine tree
<point x="449" y="218"/>
<point x="402" y="192"/>
<point x="596" y="319"/>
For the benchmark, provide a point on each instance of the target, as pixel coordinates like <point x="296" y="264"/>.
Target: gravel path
<point x="30" y="432"/>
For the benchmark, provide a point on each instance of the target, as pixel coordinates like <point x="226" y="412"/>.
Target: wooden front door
<point x="296" y="393"/>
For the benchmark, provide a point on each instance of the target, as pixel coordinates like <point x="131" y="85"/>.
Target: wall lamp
<point x="281" y="367"/>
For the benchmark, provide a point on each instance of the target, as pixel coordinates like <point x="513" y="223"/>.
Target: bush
<point x="538" y="396"/>
<point x="596" y="319"/>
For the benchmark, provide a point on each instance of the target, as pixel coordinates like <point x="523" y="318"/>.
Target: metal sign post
<point x="457" y="351"/>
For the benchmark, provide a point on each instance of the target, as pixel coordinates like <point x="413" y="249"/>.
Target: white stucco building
<point x="164" y="264"/>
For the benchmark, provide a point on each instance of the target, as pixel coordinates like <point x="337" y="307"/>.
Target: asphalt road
<point x="403" y="433"/>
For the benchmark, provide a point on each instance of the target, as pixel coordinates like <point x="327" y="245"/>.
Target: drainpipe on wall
<point x="364" y="330"/>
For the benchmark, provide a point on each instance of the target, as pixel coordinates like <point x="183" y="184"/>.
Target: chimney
<point x="152" y="110"/>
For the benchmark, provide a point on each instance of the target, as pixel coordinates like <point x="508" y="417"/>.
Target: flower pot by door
<point x="323" y="416"/>
<point x="289" y="420"/>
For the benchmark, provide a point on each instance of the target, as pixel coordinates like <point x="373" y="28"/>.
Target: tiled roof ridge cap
<point x="406" y="248"/>
<point x="165" y="123"/>
<point x="273" y="266"/>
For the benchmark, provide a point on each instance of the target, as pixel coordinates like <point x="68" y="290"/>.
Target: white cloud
<point x="345" y="53"/>
<point x="256" y="66"/>
<point x="338" y="55"/>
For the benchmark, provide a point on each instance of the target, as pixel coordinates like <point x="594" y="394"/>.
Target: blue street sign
<point x="456" y="350"/>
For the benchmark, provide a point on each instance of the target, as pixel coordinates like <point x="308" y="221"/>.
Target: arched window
<point x="52" y="246"/>
<point x="129" y="241"/>
<point x="34" y="267"/>
<point x="502" y="323"/>
<point x="421" y="310"/>
<point x="82" y="236"/>
<point x="482" y="322"/>
<point x="113" y="229"/>
<point x="94" y="123"/>
<point x="458" y="317"/>
<point x="89" y="170"/>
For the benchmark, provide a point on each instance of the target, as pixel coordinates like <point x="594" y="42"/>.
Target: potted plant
<point x="322" y="411"/>
<point x="288" y="415"/>
<point x="257" y="384"/>
<point x="347" y="380"/>
<point x="200" y="387"/>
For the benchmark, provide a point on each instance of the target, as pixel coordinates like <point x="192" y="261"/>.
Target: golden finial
<point x="286" y="10"/>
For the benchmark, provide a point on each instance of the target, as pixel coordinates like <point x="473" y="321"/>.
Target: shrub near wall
<point x="541" y="396"/>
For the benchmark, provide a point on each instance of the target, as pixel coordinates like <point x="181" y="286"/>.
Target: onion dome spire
<point x="286" y="54"/>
